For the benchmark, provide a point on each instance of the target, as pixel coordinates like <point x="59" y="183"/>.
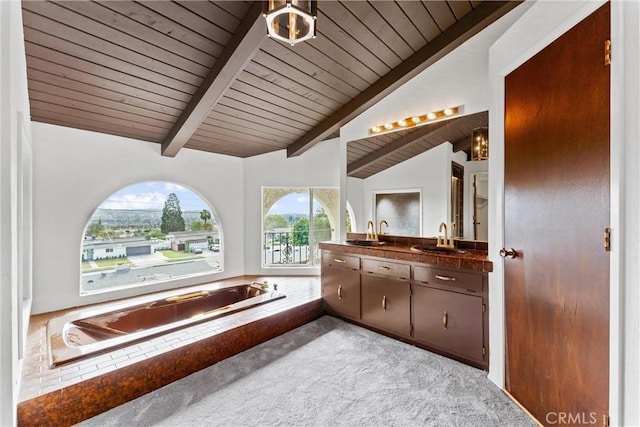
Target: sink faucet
<point x="384" y="221"/>
<point x="371" y="235"/>
<point x="446" y="241"/>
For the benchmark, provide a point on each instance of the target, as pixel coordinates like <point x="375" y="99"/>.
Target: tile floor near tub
<point x="70" y="393"/>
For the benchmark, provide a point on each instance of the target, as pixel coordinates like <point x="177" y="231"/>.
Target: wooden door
<point x="556" y="212"/>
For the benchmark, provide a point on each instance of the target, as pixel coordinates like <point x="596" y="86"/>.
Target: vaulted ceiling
<point x="203" y="74"/>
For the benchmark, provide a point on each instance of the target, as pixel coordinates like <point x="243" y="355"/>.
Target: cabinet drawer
<point x="469" y="282"/>
<point x="338" y="260"/>
<point x="387" y="268"/>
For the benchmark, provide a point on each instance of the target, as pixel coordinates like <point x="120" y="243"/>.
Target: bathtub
<point x="86" y="332"/>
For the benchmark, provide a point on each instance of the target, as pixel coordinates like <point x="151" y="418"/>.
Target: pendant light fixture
<point x="480" y="143"/>
<point x="291" y="21"/>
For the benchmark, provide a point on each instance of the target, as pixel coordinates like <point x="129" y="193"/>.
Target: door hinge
<point x="411" y="330"/>
<point x="607" y="52"/>
<point x="484" y="308"/>
<point x="484" y="351"/>
<point x="605" y="420"/>
<point x="607" y="239"/>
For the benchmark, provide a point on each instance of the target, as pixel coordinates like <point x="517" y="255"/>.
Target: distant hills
<point x="138" y="218"/>
<point x="150" y="218"/>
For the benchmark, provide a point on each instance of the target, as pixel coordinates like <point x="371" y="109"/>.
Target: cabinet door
<point x="449" y="320"/>
<point x="341" y="291"/>
<point x="386" y="304"/>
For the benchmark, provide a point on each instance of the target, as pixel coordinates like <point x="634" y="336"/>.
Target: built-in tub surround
<point x="68" y="394"/>
<point x="91" y="331"/>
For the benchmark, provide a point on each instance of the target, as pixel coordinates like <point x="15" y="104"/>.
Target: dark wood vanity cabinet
<point x="341" y="284"/>
<point x="438" y="308"/>
<point x="386" y="296"/>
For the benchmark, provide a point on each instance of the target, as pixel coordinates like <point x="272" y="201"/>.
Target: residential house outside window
<point x="294" y="221"/>
<point x="148" y="233"/>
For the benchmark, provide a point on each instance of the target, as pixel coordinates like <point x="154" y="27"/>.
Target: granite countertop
<point x="399" y="248"/>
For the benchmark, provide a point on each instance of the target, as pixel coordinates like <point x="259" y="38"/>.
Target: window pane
<point x="148" y="233"/>
<point x="294" y="221"/>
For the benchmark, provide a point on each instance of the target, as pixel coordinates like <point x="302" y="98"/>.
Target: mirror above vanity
<point x="417" y="179"/>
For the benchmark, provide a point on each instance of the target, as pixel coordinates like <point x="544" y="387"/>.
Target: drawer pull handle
<point x="445" y="319"/>
<point x="446" y="278"/>
<point x="339" y="261"/>
<point x="384" y="267"/>
<point x="384" y="303"/>
<point x="339" y="291"/>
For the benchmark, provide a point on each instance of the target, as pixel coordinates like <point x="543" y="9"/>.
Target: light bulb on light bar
<point x="414" y="120"/>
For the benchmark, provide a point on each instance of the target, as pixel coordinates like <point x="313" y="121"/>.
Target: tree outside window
<point x="148" y="233"/>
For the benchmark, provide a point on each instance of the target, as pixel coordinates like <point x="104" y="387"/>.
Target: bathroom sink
<point x="438" y="250"/>
<point x="364" y="242"/>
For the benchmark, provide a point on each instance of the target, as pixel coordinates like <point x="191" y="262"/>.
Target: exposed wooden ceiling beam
<point x="484" y="14"/>
<point x="411" y="137"/>
<point x="235" y="56"/>
<point x="462" y="144"/>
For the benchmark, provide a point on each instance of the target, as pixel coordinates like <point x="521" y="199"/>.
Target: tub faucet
<point x="371" y="235"/>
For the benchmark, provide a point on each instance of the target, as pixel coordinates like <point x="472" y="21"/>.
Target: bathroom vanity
<point x="409" y="289"/>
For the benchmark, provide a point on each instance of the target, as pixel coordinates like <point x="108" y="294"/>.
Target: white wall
<point x="430" y="172"/>
<point x="75" y="171"/>
<point x="14" y="183"/>
<point x="625" y="213"/>
<point x="318" y="167"/>
<point x="356" y="198"/>
<point x="539" y="26"/>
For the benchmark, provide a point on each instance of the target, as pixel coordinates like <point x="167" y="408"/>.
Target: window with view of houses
<point x="294" y="221"/>
<point x="148" y="233"/>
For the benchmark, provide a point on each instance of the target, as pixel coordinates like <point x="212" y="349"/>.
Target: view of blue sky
<point x="152" y="195"/>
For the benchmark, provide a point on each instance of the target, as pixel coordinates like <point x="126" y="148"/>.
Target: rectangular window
<point x="109" y="250"/>
<point x="294" y="221"/>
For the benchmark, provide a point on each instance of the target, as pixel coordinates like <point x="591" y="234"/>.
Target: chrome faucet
<point x="371" y="235"/>
<point x="384" y="221"/>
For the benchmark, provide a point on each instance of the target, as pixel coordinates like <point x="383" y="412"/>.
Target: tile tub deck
<point x="79" y="390"/>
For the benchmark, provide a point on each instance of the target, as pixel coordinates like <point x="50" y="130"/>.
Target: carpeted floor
<point x="326" y="373"/>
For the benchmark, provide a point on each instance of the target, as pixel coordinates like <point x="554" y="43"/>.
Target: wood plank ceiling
<point x="203" y="75"/>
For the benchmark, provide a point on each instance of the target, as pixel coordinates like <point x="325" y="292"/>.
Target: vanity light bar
<point x="413" y="121"/>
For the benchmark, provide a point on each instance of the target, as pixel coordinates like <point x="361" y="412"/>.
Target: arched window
<point x="350" y="219"/>
<point x="294" y="221"/>
<point x="148" y="233"/>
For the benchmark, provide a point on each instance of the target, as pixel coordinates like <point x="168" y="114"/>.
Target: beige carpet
<point x="326" y="373"/>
